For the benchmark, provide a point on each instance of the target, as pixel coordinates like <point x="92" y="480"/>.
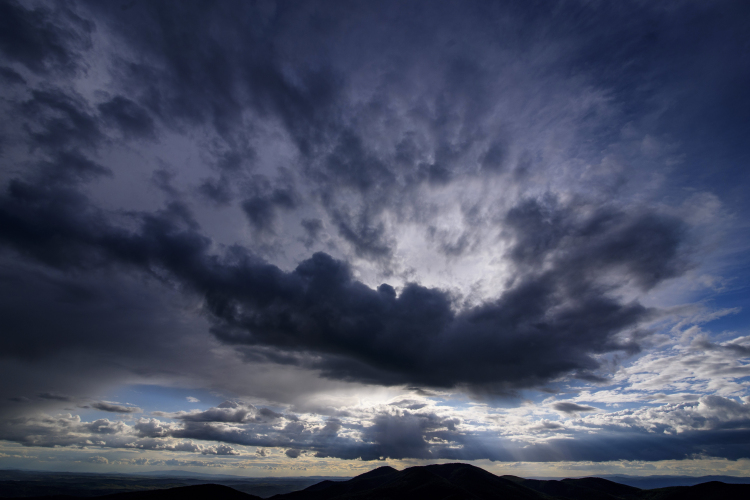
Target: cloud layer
<point x="283" y="203"/>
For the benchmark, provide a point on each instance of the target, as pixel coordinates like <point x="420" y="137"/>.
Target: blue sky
<point x="302" y="238"/>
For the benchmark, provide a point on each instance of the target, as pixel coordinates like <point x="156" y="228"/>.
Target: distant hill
<point x="713" y="490"/>
<point x="186" y="473"/>
<point x="651" y="482"/>
<point x="435" y="482"/>
<point x="28" y="484"/>
<point x="588" y="488"/>
<point x="195" y="492"/>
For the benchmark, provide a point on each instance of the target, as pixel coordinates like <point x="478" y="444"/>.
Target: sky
<point x="317" y="237"/>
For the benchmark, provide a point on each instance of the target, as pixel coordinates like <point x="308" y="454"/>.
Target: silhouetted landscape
<point x="441" y="482"/>
<point x="296" y="237"/>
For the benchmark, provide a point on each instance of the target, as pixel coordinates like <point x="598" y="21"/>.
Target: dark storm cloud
<point x="366" y="234"/>
<point x="549" y="323"/>
<point x="229" y="411"/>
<point x="494" y="158"/>
<point x="37" y="39"/>
<point x="11" y="77"/>
<point x="194" y="77"/>
<point x="114" y="326"/>
<point x="114" y="407"/>
<point x="646" y="246"/>
<point x="313" y="229"/>
<point x="217" y="191"/>
<point x="262" y="208"/>
<point x="71" y="167"/>
<point x="128" y="116"/>
<point x="572" y="408"/>
<point x="351" y="165"/>
<point x="59" y="120"/>
<point x="54" y="396"/>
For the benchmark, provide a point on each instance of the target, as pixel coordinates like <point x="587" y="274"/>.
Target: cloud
<point x="191" y="399"/>
<point x="555" y="319"/>
<point x="714" y="426"/>
<point x="557" y="310"/>
<point x="61" y="120"/>
<point x="313" y="229"/>
<point x="478" y="200"/>
<point x="11" y="77"/>
<point x="115" y="408"/>
<point x="129" y="117"/>
<point x="228" y="411"/>
<point x="708" y="413"/>
<point x="261" y="209"/>
<point x="221" y="449"/>
<point x="691" y="366"/>
<point x="572" y="408"/>
<point x="54" y="396"/>
<point x="33" y="38"/>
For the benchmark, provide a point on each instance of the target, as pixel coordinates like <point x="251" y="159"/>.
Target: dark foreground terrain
<point x="444" y="482"/>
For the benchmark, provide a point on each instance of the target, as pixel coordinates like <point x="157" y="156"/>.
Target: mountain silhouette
<point x="455" y="481"/>
<point x="466" y="482"/>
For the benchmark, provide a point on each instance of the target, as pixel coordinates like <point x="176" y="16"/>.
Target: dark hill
<point x="589" y="488"/>
<point x="438" y="482"/>
<point x="481" y="483"/>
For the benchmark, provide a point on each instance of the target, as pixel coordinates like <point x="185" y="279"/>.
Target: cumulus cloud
<point x="708" y="413"/>
<point x="228" y="411"/>
<point x="221" y="449"/>
<point x="713" y="426"/>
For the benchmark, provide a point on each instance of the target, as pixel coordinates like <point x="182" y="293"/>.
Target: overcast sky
<point x="300" y="237"/>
